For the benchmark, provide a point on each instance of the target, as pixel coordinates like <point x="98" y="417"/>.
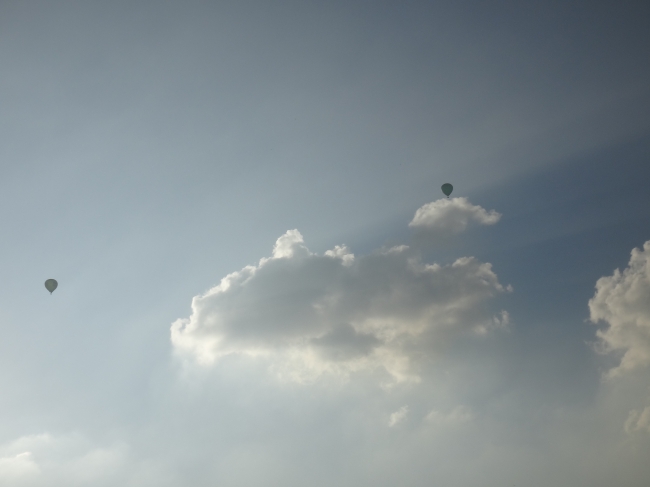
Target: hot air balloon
<point x="447" y="189"/>
<point x="51" y="285"/>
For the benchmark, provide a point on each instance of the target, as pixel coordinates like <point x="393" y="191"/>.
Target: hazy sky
<point x="260" y="280"/>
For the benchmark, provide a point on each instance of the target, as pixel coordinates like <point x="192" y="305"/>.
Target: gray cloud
<point x="310" y="314"/>
<point x="343" y="342"/>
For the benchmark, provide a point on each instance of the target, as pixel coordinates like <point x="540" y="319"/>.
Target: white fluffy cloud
<point x="622" y="300"/>
<point x="310" y="314"/>
<point x="452" y="215"/>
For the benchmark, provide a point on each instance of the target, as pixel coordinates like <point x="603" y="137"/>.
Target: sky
<point x="260" y="282"/>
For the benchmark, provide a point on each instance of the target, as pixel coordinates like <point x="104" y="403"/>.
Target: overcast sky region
<point x="261" y="282"/>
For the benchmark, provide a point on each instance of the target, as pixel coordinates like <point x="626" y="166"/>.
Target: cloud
<point x="310" y="314"/>
<point x="459" y="415"/>
<point x="622" y="300"/>
<point x="451" y="215"/>
<point x="44" y="460"/>
<point x="638" y="421"/>
<point x="398" y="416"/>
<point x="19" y="468"/>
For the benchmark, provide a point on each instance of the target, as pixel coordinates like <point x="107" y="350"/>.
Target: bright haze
<point x="260" y="281"/>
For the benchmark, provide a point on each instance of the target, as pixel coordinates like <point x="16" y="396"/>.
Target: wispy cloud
<point x="398" y="416"/>
<point x="459" y="415"/>
<point x="638" y="421"/>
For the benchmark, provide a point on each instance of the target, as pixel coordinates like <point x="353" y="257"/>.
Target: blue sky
<point x="223" y="192"/>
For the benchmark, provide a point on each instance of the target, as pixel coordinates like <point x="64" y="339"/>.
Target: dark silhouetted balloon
<point x="447" y="189"/>
<point x="51" y="285"/>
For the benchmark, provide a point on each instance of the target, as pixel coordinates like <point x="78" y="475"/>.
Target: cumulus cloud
<point x="312" y="314"/>
<point x="451" y="215"/>
<point x="398" y="416"/>
<point x="622" y="300"/>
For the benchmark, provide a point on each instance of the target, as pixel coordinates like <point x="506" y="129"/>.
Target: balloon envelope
<point x="447" y="189"/>
<point x="51" y="285"/>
